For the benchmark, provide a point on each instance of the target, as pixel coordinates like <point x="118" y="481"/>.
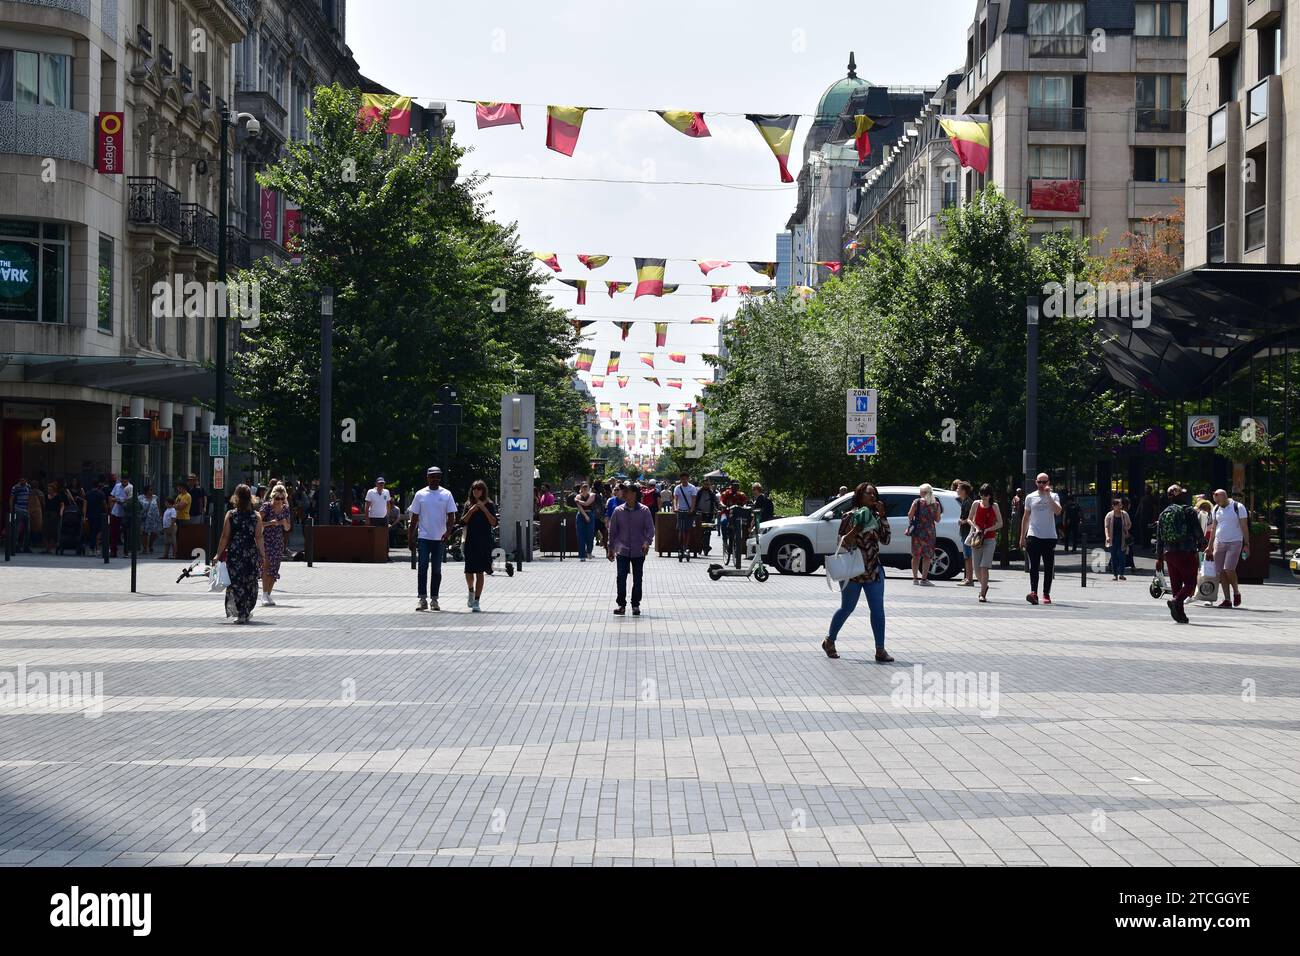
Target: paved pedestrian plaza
<point x="343" y="728"/>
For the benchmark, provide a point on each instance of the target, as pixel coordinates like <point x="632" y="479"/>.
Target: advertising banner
<point x="110" y="157"/>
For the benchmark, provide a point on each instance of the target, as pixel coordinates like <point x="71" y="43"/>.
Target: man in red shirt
<point x="731" y="495"/>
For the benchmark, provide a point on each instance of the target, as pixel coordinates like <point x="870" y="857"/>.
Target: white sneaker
<point x="469" y="601"/>
<point x="474" y="606"/>
<point x="267" y="600"/>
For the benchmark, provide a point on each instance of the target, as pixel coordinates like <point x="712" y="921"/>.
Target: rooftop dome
<point x="837" y="94"/>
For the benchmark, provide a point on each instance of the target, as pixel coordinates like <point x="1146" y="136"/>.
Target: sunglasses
<point x="1042" y="482"/>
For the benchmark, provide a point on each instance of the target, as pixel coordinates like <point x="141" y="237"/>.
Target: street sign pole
<point x="326" y="400"/>
<point x="1031" y="393"/>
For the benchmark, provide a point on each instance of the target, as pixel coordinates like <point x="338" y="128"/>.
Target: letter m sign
<point x="516" y="444"/>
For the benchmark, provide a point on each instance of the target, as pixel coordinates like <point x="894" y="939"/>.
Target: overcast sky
<point x="719" y="56"/>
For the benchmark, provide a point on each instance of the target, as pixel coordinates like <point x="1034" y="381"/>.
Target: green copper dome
<point x="837" y="94"/>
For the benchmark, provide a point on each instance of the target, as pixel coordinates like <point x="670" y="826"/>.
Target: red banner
<point x="110" y="157"/>
<point x="1054" y="195"/>
<point x="268" y="214"/>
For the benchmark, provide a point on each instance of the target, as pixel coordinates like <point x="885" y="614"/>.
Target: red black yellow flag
<point x="766" y="268"/>
<point x="581" y="286"/>
<point x="685" y="121"/>
<point x="777" y="131"/>
<point x="563" y="124"/>
<point x="498" y="114"/>
<point x="593" y="262"/>
<point x="650" y="277"/>
<point x="971" y="136"/>
<point x="625" y="327"/>
<point x="616" y="287"/>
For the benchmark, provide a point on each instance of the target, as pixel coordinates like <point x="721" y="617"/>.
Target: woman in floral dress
<point x="150" y="518"/>
<point x="241" y="547"/>
<point x="277" y="520"/>
<point x="921" y="519"/>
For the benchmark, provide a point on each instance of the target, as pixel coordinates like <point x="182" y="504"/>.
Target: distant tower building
<point x="784" y="261"/>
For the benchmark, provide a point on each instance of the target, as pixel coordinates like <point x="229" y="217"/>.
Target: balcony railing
<point x="1257" y="103"/>
<point x="1256" y="220"/>
<point x="45" y="131"/>
<point x="198" y="227"/>
<point x="238" y="252"/>
<point x="1160" y="121"/>
<point x="1219" y="127"/>
<point x="1214" y="244"/>
<point x="1066" y="118"/>
<point x="151" y="202"/>
<point x="166" y="60"/>
<point x="1057" y="44"/>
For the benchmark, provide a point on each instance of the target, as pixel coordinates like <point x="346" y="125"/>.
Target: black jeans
<point x="1041" y="550"/>
<point x="636" y="565"/>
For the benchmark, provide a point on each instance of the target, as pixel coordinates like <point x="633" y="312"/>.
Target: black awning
<point x="1205" y="325"/>
<point x="166" y="379"/>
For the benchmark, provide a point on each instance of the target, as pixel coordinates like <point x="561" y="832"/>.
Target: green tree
<point x="428" y="291"/>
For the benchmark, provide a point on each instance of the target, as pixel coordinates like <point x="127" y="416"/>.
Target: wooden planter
<point x="360" y="544"/>
<point x="549" y="533"/>
<point x="188" y="538"/>
<point x="1255" y="568"/>
<point x="666" y="541"/>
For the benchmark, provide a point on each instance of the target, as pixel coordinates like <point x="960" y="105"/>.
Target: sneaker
<point x="267" y="600"/>
<point x="474" y="607"/>
<point x="469" y="601"/>
<point x="1032" y="597"/>
<point x="636" y="611"/>
<point x="1122" y="578"/>
<point x="1225" y="603"/>
<point x="1047" y="599"/>
<point x="882" y="657"/>
<point x="1236" y="599"/>
<point x="433" y="605"/>
<point x="620" y="610"/>
<point x="423" y="605"/>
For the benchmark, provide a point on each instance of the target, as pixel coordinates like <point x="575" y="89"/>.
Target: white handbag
<point x="843" y="565"/>
<point x="220" y="577"/>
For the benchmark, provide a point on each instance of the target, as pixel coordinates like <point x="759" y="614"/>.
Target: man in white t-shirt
<point x="377" y="504"/>
<point x="434" y="509"/>
<point x="1230" y="524"/>
<point x="1038" y="536"/>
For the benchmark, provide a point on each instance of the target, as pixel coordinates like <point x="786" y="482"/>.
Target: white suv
<point x="798" y="545"/>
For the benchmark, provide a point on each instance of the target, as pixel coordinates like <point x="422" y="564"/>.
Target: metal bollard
<point x="9" y="535"/>
<point x="519" y="546"/>
<point x="564" y="536"/>
<point x="1083" y="544"/>
<point x="310" y="539"/>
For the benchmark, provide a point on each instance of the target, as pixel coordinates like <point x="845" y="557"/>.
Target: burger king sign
<point x="1202" y="431"/>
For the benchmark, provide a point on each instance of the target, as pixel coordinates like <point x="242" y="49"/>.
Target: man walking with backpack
<point x="1179" y="541"/>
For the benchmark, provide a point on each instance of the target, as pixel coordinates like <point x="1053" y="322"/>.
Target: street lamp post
<point x="323" y="515"/>
<point x="1031" y="392"/>
<point x="223" y="220"/>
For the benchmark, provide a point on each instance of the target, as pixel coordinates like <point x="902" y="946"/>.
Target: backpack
<point x="1179" y="529"/>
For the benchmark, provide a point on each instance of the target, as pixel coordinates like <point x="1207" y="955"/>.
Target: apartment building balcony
<point x="153" y="206"/>
<point x="1066" y="119"/>
<point x="1053" y="197"/>
<point x="269" y="112"/>
<point x="1058" y="45"/>
<point x="45" y="131"/>
<point x="238" y="249"/>
<point x="86" y="10"/>
<point x="199" y="228"/>
<point x="1159" y="121"/>
<point x="1264" y="114"/>
<point x="1224" y="143"/>
<point x="1225" y="26"/>
<point x="1153" y="199"/>
<point x="1262" y="13"/>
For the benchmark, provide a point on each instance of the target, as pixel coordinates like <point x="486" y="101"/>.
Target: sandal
<point x="829" y="647"/>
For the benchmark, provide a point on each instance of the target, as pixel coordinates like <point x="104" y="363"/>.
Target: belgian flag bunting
<point x="580" y="324"/>
<point x="670" y="289"/>
<point x="777" y="131"/>
<point x="616" y="287"/>
<point x="648" y="358"/>
<point x="625" y="327"/>
<point x="718" y="291"/>
<point x="708" y="265"/>
<point x="685" y="121"/>
<point x="374" y="105"/>
<point x="598" y="382"/>
<point x="563" y="124"/>
<point x="661" y="333"/>
<point x="650" y="277"/>
<point x="593" y="262"/>
<point x="581" y="286"/>
<point x="832" y="265"/>
<point x="971" y="136"/>
<point x="498" y="114"/>
<point x="703" y="320"/>
<point x="622" y="381"/>
<point x="861" y="126"/>
<point x="612" y="365"/>
<point x="585" y="358"/>
<point x="549" y="259"/>
<point x="766" y="268"/>
<point x="678" y="357"/>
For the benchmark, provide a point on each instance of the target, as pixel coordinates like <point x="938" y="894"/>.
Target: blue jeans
<point x="1117" y="557"/>
<point x="586" y="534"/>
<point x="875" y="592"/>
<point x="431" y="555"/>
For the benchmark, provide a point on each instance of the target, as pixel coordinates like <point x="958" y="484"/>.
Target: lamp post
<point x="223" y="219"/>
<point x="323" y="515"/>
<point x="1031" y="392"/>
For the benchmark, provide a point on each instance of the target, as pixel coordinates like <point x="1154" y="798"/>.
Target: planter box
<point x="1255" y="568"/>
<point x="548" y="533"/>
<point x="359" y="544"/>
<point x="666" y="541"/>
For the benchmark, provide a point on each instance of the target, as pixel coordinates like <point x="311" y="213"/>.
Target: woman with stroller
<point x="277" y="522"/>
<point x="150" y="518"/>
<point x="241" y="547"/>
<point x="479" y="519"/>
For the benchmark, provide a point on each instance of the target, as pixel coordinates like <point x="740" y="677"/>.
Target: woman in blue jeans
<point x="586" y="504"/>
<point x="864" y="528"/>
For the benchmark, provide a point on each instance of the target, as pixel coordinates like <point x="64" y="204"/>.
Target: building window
<point x="1256" y="189"/>
<point x="1229" y="77"/>
<point x="1159" y="100"/>
<point x="1056" y="162"/>
<point x="1160" y="20"/>
<point x="1218" y="14"/>
<point x="35" y="78"/>
<point x="106" y="284"/>
<point x="1269" y="48"/>
<point x="1057" y="29"/>
<point x="33" y="271"/>
<point x="1158" y="164"/>
<point x="1057" y="101"/>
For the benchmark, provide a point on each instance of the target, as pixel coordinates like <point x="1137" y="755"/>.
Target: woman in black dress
<point x="243" y="551"/>
<point x="479" y="519"/>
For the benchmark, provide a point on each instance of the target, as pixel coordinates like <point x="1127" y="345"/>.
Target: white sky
<point x="726" y="56"/>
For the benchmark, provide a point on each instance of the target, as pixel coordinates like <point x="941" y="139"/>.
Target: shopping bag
<point x="220" y="577"/>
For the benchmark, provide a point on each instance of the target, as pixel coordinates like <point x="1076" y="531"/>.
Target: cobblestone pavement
<point x="344" y="728"/>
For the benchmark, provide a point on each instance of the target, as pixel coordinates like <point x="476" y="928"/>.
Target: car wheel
<point x="947" y="563"/>
<point x="792" y="556"/>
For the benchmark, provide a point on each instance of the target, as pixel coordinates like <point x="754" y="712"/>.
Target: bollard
<point x="1083" y="544"/>
<point x="519" y="546"/>
<point x="104" y="536"/>
<point x="9" y="535"/>
<point x="564" y="536"/>
<point x="133" y="523"/>
<point x="310" y="539"/>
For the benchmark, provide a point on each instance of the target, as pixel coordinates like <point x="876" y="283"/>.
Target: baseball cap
<point x="379" y="480"/>
<point x="433" y="470"/>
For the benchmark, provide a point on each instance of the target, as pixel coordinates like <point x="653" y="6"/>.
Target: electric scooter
<point x="737" y="518"/>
